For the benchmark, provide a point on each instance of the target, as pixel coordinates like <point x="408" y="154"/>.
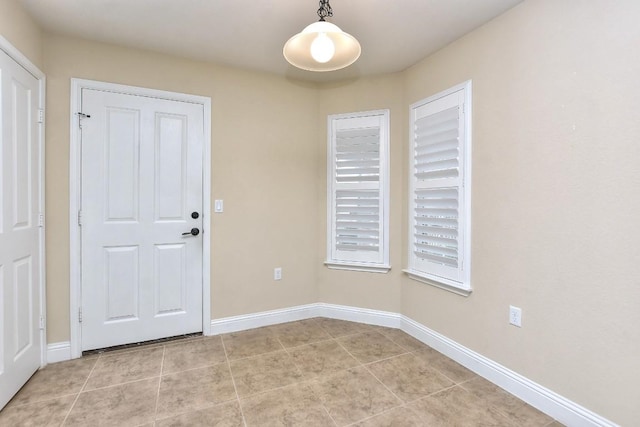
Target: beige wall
<point x="21" y="31"/>
<point x="556" y="198"/>
<point x="264" y="166"/>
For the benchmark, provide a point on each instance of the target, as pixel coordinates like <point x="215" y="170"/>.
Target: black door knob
<point x="194" y="232"/>
<point x="195" y="215"/>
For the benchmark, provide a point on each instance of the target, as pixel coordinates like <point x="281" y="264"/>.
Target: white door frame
<point x="75" y="192"/>
<point x="25" y="63"/>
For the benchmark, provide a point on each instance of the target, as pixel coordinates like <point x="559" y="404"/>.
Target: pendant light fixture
<point x="322" y="46"/>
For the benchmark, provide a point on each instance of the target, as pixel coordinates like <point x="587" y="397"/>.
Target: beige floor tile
<point x="125" y="367"/>
<point x="451" y="369"/>
<point x="195" y="389"/>
<point x="404" y="340"/>
<point x="457" y="407"/>
<point x="293" y="334"/>
<point x="322" y="358"/>
<point x="45" y="413"/>
<point x="265" y="372"/>
<point x="515" y="409"/>
<point x="353" y="395"/>
<point x="294" y="405"/>
<point x="555" y="423"/>
<point x="130" y="404"/>
<point x="55" y="380"/>
<point x="340" y="328"/>
<point x="370" y="346"/>
<point x="409" y="377"/>
<point x="223" y="415"/>
<point x="397" y="417"/>
<point x="193" y="354"/>
<point x="404" y="383"/>
<point x="250" y="343"/>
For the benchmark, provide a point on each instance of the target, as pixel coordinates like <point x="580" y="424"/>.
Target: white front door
<point x="141" y="197"/>
<point x="20" y="345"/>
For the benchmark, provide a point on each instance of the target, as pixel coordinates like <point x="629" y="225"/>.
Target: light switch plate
<point x="218" y="206"/>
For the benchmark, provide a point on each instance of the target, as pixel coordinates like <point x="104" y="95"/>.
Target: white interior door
<point x="141" y="197"/>
<point x="20" y="344"/>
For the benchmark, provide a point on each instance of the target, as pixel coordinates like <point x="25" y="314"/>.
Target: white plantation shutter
<point x="357" y="187"/>
<point x="440" y="171"/>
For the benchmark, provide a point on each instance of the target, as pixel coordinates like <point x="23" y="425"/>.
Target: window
<point x="439" y="198"/>
<point x="358" y="187"/>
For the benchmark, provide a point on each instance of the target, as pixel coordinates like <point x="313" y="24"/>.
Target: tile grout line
<point x="155" y="412"/>
<point x="441" y="372"/>
<point x="80" y="392"/>
<point x="233" y="381"/>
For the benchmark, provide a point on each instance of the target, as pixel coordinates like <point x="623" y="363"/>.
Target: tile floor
<point x="316" y="372"/>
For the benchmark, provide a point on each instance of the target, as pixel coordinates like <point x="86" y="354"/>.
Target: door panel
<point x="171" y="168"/>
<point x="121" y="281"/>
<point x="141" y="179"/>
<point x="122" y="145"/>
<point x="20" y="345"/>
<point x="170" y="268"/>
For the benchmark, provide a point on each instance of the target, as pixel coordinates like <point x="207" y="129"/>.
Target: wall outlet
<point x="515" y="316"/>
<point x="277" y="273"/>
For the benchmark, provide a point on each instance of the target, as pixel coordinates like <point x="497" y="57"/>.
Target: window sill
<point x="439" y="282"/>
<point x="369" y="268"/>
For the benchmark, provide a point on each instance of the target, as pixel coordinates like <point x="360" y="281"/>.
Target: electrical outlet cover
<point x="515" y="316"/>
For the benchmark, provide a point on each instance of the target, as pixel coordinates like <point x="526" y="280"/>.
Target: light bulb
<point x="322" y="48"/>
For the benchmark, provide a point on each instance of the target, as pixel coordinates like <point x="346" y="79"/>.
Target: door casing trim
<point x="75" y="191"/>
<point x="24" y="62"/>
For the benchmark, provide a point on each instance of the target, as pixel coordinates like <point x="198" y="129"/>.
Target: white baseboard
<point x="547" y="401"/>
<point x="58" y="352"/>
<point x="265" y="318"/>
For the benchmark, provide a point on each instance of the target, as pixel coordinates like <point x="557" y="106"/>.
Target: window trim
<point x="384" y="174"/>
<point x="464" y="286"/>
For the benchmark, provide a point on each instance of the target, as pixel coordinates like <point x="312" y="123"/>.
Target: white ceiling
<point x="394" y="34"/>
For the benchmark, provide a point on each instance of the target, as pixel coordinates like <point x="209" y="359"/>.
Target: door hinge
<point x="41" y="116"/>
<point x="81" y="116"/>
<point x="41" y="220"/>
<point x="80" y="217"/>
<point x="41" y="322"/>
<point x="80" y="314"/>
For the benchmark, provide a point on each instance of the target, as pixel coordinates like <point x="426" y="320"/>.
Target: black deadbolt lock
<point x="195" y="215"/>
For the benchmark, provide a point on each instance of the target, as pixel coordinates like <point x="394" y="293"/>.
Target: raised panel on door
<point x="170" y="167"/>
<point x="23" y="288"/>
<point x="121" y="283"/>
<point x="122" y="167"/>
<point x="170" y="279"/>
<point x="21" y="155"/>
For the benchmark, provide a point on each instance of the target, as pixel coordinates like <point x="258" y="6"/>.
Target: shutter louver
<point x="357" y="220"/>
<point x="437" y="145"/>
<point x="358" y="155"/>
<point x="436" y="225"/>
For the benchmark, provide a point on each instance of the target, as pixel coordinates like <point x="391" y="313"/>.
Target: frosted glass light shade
<point x="298" y="49"/>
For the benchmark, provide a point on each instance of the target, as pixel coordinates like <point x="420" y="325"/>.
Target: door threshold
<point x="150" y="343"/>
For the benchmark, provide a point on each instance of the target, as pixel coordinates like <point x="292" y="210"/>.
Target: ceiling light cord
<point x="324" y="11"/>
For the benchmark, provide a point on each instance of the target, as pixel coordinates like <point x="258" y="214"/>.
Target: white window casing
<point x="358" y="191"/>
<point x="440" y="192"/>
